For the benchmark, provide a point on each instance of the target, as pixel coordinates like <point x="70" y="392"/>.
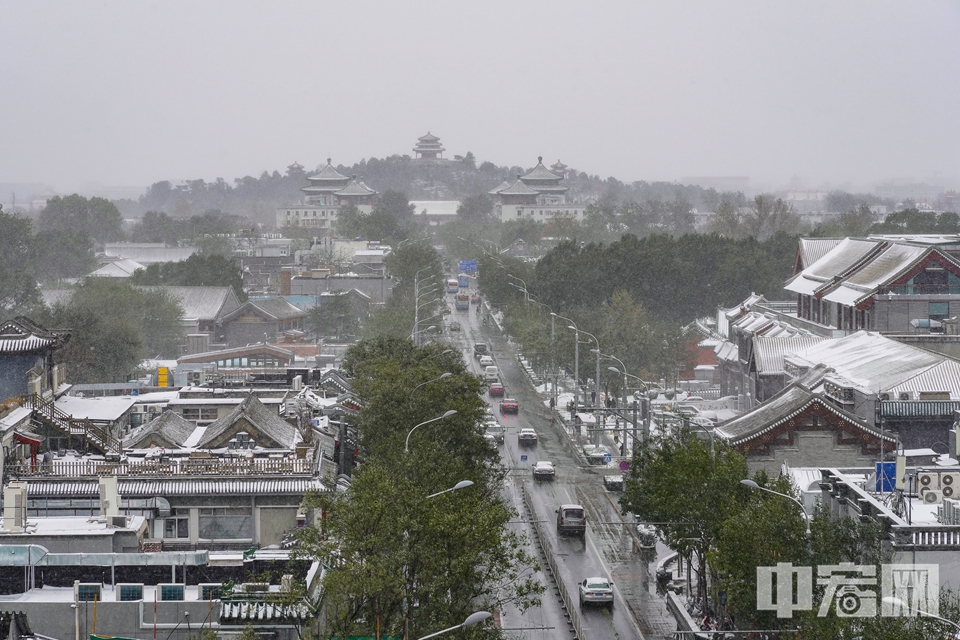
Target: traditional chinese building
<point x="428" y="148"/>
<point x="327" y="192"/>
<point x="537" y="195"/>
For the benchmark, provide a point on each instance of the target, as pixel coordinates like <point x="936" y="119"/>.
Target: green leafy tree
<point x="108" y="346"/>
<point x="418" y="563"/>
<point x="196" y="271"/>
<point x="18" y="282"/>
<point x="691" y="486"/>
<point x="335" y="316"/>
<point x="64" y="253"/>
<point x="97" y="216"/>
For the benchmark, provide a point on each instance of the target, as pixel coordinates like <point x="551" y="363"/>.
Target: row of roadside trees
<point x="406" y="556"/>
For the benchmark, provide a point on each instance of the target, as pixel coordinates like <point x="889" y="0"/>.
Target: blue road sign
<point x="468" y="265"/>
<point x="523" y="458"/>
<point x="607" y="458"/>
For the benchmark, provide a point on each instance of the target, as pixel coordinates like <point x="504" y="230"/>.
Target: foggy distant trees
<point x="476" y="209"/>
<point x="157" y="226"/>
<point x="766" y="217"/>
<point x="98" y="217"/>
<point x="391" y="219"/>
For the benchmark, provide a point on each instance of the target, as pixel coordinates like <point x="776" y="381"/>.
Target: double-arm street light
<point x="472" y="619"/>
<point x="596" y="380"/>
<point x="524" y="288"/>
<point x="754" y="485"/>
<point x="576" y="355"/>
<point x="406" y="446"/>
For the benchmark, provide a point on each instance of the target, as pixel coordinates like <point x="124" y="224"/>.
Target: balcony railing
<point x="159" y="468"/>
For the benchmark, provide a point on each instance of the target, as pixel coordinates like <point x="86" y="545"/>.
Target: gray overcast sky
<point x="130" y="93"/>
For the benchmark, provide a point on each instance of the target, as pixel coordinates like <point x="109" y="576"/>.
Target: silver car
<point x="596" y="591"/>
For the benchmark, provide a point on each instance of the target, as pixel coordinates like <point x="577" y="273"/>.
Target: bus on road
<point x="464" y="280"/>
<point x="463" y="302"/>
<point x="453" y="286"/>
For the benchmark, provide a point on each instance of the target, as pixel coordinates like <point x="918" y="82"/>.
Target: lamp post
<point x="576" y="356"/>
<point x="443" y="376"/>
<point x="596" y="380"/>
<point x="463" y="484"/>
<point x="524" y="289"/>
<point x="472" y="619"/>
<point x="754" y="485"/>
<point x="406" y="446"/>
<point x="897" y="602"/>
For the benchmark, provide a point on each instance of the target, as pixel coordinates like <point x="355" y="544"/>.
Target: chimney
<point x="286" y="277"/>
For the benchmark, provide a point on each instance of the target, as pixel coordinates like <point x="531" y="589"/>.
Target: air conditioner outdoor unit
<point x="928" y="481"/>
<point x="884" y="397"/>
<point x="950" y="485"/>
<point x="117" y="522"/>
<point x="932" y="496"/>
<point x="904" y="396"/>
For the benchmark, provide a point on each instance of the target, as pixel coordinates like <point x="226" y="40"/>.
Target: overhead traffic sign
<point x="468" y="265"/>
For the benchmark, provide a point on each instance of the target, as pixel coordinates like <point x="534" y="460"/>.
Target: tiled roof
<point x="782" y="407"/>
<point x="500" y="187"/>
<point x="267" y="421"/>
<point x="812" y="249"/>
<point x="867" y="361"/>
<point x="22" y="335"/>
<point x="518" y="188"/>
<point x="849" y="253"/>
<point x="147" y="253"/>
<point x="274" y="308"/>
<point x="770" y="351"/>
<point x="202" y="303"/>
<point x="122" y="268"/>
<point x="179" y="487"/>
<point x="942" y="377"/>
<point x="328" y="174"/>
<point x="429" y="138"/>
<point x="355" y="188"/>
<point x="882" y="268"/>
<point x="168" y="426"/>
<point x="212" y="356"/>
<point x="540" y="172"/>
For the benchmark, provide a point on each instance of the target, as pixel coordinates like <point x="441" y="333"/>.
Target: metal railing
<point x="46" y="410"/>
<point x="568" y="603"/>
<point x="181" y="467"/>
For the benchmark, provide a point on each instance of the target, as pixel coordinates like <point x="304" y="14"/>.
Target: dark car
<point x="454" y="326"/>
<point x="571" y="518"/>
<point x="495" y="390"/>
<point x="509" y="405"/>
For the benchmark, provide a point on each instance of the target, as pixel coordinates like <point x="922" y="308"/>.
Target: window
<point x="223" y="523"/>
<point x="939" y="310"/>
<point x="177" y="528"/>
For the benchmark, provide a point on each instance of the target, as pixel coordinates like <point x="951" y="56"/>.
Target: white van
<point x="491" y="373"/>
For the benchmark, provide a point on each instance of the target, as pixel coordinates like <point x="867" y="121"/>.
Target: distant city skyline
<point x="815" y="95"/>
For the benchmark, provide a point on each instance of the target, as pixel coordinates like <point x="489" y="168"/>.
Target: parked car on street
<point x="495" y="390"/>
<point x="509" y="405"/>
<point x="596" y="591"/>
<point x="571" y="518"/>
<point x="527" y="437"/>
<point x="544" y="470"/>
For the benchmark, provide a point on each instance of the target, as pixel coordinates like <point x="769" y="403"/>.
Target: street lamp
<point x="576" y="356"/>
<point x="406" y="446"/>
<point x="897" y="602"/>
<point x="472" y="619"/>
<point x="524" y="289"/>
<point x="596" y="381"/>
<point x="754" y="485"/>
<point x="443" y="376"/>
<point x="463" y="484"/>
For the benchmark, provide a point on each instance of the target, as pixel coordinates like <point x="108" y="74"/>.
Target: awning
<point x="24" y="437"/>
